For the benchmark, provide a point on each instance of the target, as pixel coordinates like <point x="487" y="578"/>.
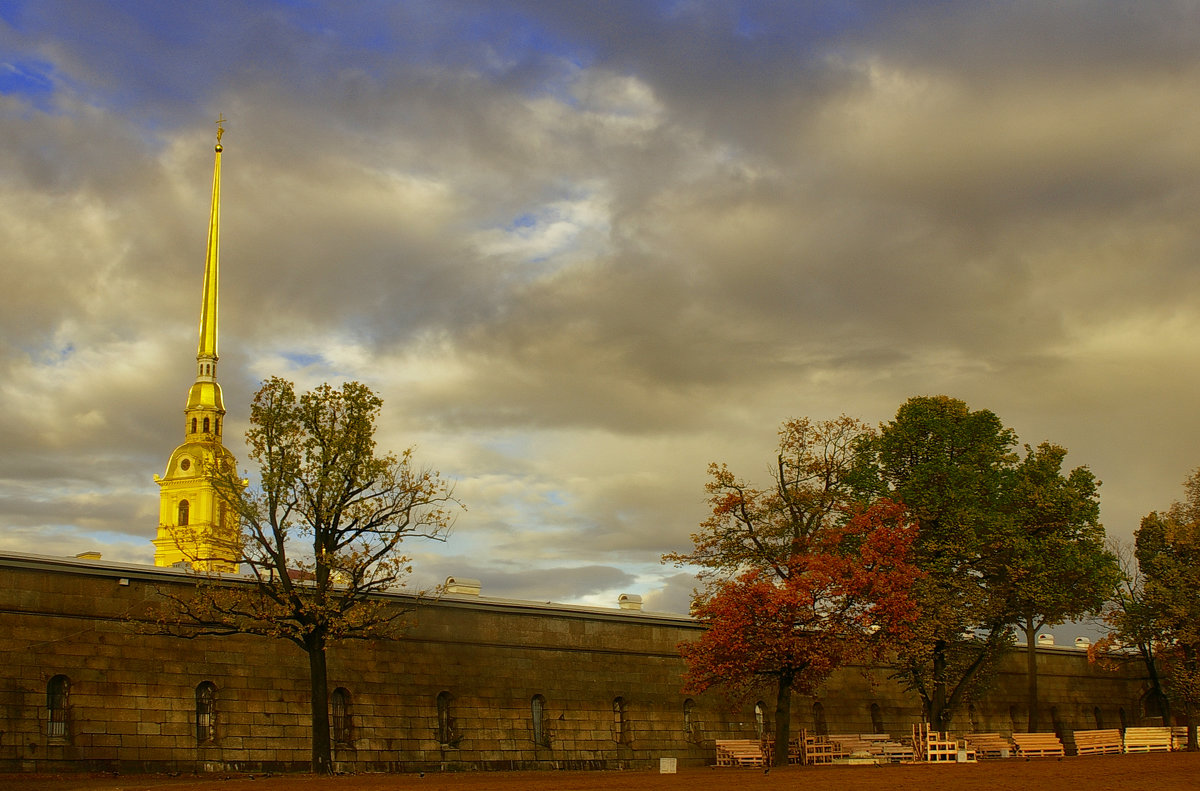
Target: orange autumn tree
<point x="845" y="598"/>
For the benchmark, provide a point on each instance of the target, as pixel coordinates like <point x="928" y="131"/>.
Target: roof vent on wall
<point x="1082" y="642"/>
<point x="463" y="586"/>
<point x="1045" y="639"/>
<point x="629" y="601"/>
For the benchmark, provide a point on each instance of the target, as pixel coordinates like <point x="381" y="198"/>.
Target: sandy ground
<point x="1153" y="772"/>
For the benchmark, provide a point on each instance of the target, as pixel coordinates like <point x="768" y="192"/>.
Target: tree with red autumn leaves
<point x="845" y="598"/>
<point x="798" y="578"/>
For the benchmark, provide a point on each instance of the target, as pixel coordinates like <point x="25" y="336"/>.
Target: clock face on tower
<point x="186" y="464"/>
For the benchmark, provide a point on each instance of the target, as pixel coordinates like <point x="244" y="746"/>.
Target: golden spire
<point x="195" y="527"/>
<point x="207" y="350"/>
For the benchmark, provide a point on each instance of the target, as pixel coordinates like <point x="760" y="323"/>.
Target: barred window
<point x="56" y="707"/>
<point x="446" y="726"/>
<point x="206" y="712"/>
<point x="877" y="718"/>
<point x="820" y="727"/>
<point x="760" y="719"/>
<point x="620" y="732"/>
<point x="339" y="705"/>
<point x="538" y="711"/>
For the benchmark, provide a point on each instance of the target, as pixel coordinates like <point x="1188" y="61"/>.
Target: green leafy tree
<point x="321" y="534"/>
<point x="1056" y="562"/>
<point x="951" y="467"/>
<point x="1168" y="553"/>
<point x="1131" y="627"/>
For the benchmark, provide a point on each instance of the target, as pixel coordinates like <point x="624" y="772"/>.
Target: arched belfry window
<point x="56" y="707"/>
<point x="184" y="509"/>
<point x="206" y="712"/>
<point x="538" y="712"/>
<point x="339" y="719"/>
<point x="193" y="425"/>
<point x="205" y="425"/>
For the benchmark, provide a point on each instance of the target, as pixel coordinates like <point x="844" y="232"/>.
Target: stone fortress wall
<point x="81" y="688"/>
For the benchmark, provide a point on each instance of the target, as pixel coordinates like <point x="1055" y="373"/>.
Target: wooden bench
<point x="739" y="752"/>
<point x="1038" y="745"/>
<point x="1097" y="742"/>
<point x="988" y="745"/>
<point x="1147" y="740"/>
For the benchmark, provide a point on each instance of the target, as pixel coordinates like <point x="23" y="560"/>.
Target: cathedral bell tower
<point x="195" y="527"/>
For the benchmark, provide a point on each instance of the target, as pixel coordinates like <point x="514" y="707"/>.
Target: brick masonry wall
<point x="132" y="696"/>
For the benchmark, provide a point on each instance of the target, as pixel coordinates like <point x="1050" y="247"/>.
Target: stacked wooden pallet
<point x="1179" y="737"/>
<point x="819" y="750"/>
<point x="896" y="753"/>
<point x="739" y="752"/>
<point x="1037" y="745"/>
<point x="988" y="745"/>
<point x="935" y="747"/>
<point x="795" y="754"/>
<point x="1147" y="740"/>
<point x="1097" y="742"/>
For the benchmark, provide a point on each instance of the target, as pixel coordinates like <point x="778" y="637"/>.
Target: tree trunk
<point x="322" y="761"/>
<point x="783" y="719"/>
<point x="938" y="719"/>
<point x="1031" y="672"/>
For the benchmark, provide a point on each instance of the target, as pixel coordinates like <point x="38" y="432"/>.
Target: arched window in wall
<point x="760" y="719"/>
<point x="57" y="690"/>
<point x="972" y="717"/>
<point x="193" y="425"/>
<point x="184" y="512"/>
<point x="877" y="719"/>
<point x="819" y="725"/>
<point x="339" y="716"/>
<point x="1121" y="715"/>
<point x="691" y="728"/>
<point x="447" y="726"/>
<point x="538" y="710"/>
<point x="1099" y="718"/>
<point x="206" y="712"/>
<point x="620" y="726"/>
<point x="1012" y="719"/>
<point x="205" y="425"/>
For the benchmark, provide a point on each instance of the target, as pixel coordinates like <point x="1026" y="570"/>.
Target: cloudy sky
<point x="583" y="249"/>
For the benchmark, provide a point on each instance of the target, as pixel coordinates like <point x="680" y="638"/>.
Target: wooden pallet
<point x="1038" y="745"/>
<point x="1179" y="737"/>
<point x="988" y="745"/>
<point x="1097" y="742"/>
<point x="739" y="752"/>
<point x="938" y="748"/>
<point x="1147" y="740"/>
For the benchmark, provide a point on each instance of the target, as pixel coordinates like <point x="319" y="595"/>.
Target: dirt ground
<point x="1153" y="772"/>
